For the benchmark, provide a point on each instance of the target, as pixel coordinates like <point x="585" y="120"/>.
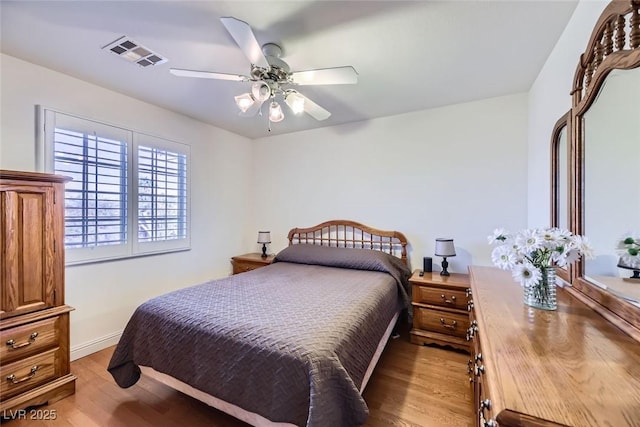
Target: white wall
<point x="549" y="99"/>
<point x="104" y="295"/>
<point x="457" y="171"/>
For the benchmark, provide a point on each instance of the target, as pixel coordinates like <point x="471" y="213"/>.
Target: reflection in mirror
<point x="611" y="185"/>
<point x="560" y="179"/>
<point x="563" y="180"/>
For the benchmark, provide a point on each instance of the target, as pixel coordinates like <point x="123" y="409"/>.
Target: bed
<point x="290" y="344"/>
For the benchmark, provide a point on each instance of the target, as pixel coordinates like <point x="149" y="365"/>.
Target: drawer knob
<point x="485" y="404"/>
<point x="479" y="369"/>
<point x="444" y="324"/>
<point x="487" y="423"/>
<point x="12" y="378"/>
<point x="451" y="301"/>
<point x="470" y="305"/>
<point x="468" y="292"/>
<point x="13" y="345"/>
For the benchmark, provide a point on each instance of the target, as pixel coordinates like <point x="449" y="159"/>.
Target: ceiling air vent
<point x="133" y="51"/>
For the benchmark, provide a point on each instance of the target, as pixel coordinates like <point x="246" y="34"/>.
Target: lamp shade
<point x="244" y="101"/>
<point x="260" y="91"/>
<point x="264" y="237"/>
<point x="444" y="247"/>
<point x="275" y="112"/>
<point x="295" y="101"/>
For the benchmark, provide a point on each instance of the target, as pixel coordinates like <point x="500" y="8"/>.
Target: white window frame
<point x="48" y="119"/>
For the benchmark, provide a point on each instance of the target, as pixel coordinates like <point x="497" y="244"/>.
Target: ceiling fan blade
<point x="314" y="110"/>
<point x="208" y="75"/>
<point x="326" y="76"/>
<point x="246" y="40"/>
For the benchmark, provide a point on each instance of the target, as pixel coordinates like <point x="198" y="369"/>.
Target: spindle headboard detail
<point x="351" y="234"/>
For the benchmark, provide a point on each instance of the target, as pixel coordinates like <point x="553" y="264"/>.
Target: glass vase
<point x="542" y="294"/>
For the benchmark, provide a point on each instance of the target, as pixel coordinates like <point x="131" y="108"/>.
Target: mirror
<point x="604" y="159"/>
<point x="560" y="151"/>
<point x="611" y="191"/>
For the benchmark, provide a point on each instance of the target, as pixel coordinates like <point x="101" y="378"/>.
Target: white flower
<point x="503" y="257"/>
<point x="562" y="235"/>
<point x="571" y="256"/>
<point x="529" y="251"/>
<point x="529" y="240"/>
<point x="581" y="243"/>
<point x="526" y="274"/>
<point x="500" y="235"/>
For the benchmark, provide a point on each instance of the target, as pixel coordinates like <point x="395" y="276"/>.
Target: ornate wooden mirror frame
<point x="560" y="173"/>
<point x="614" y="44"/>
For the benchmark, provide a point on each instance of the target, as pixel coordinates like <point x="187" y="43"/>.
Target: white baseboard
<point x="85" y="349"/>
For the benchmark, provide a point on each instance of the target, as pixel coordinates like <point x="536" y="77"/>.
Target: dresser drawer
<point x="440" y="321"/>
<point x="439" y="296"/>
<point x="29" y="339"/>
<point x="30" y="372"/>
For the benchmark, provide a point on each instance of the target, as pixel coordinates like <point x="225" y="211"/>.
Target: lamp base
<point x="445" y="265"/>
<point x="264" y="250"/>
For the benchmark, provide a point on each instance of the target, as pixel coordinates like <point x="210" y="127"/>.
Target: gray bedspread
<point x="291" y="341"/>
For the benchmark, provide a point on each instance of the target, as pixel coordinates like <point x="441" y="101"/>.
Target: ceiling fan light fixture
<point x="295" y="101"/>
<point x="244" y="101"/>
<point x="275" y="112"/>
<point x="260" y="91"/>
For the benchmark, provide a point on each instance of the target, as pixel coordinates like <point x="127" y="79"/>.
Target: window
<point x="129" y="193"/>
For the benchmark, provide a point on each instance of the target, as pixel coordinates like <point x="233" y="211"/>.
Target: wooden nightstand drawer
<point x="440" y="313"/>
<point x="28" y="339"/>
<point x="248" y="262"/>
<point x="443" y="322"/>
<point x="243" y="266"/>
<point x="28" y="373"/>
<point x="440" y="296"/>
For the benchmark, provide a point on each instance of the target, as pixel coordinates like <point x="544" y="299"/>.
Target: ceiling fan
<point x="272" y="77"/>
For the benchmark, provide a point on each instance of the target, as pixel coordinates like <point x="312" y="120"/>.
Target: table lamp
<point x="445" y="248"/>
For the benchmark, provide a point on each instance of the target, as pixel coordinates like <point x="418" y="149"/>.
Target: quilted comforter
<point x="291" y="341"/>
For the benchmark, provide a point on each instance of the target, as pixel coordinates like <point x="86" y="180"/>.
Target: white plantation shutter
<point x="162" y="195"/>
<point x="129" y="193"/>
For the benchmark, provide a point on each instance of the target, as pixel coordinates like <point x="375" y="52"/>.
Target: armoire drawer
<point x="29" y="372"/>
<point x="28" y="339"/>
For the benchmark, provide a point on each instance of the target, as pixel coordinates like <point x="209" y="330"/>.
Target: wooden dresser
<point x="440" y="311"/>
<point x="248" y="262"/>
<point x="34" y="321"/>
<point x="533" y="367"/>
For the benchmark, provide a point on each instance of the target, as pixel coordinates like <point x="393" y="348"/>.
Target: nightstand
<point x="248" y="262"/>
<point x="440" y="312"/>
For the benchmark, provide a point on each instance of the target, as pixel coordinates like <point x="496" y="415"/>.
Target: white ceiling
<point x="409" y="55"/>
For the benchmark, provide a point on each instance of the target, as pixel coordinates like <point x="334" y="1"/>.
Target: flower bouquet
<point x="532" y="255"/>
<point x="629" y="252"/>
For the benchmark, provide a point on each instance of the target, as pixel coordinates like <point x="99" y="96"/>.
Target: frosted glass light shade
<point x="260" y="91"/>
<point x="275" y="112"/>
<point x="244" y="101"/>
<point x="295" y="101"/>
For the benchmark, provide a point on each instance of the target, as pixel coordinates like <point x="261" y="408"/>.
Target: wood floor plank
<point x="412" y="386"/>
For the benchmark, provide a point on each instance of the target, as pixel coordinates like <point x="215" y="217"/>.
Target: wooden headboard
<point x="350" y="234"/>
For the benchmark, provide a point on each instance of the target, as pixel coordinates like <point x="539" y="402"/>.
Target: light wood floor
<point x="411" y="386"/>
